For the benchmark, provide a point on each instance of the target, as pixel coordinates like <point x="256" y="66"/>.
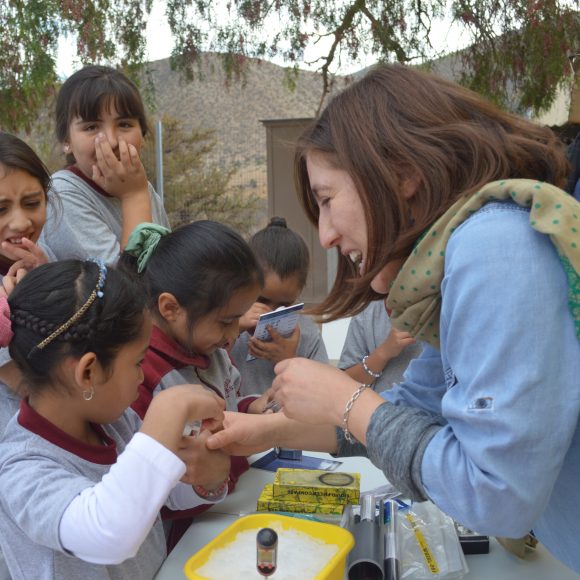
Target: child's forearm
<point x="358" y="373"/>
<point x="156" y="423"/>
<point x="135" y="210"/>
<point x="258" y="405"/>
<point x="108" y="522"/>
<point x="376" y="361"/>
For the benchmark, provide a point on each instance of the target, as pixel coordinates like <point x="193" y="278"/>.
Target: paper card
<point x="283" y="320"/>
<point x="271" y="462"/>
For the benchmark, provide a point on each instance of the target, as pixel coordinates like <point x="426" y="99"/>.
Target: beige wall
<point x="281" y="135"/>
<point x="557" y="114"/>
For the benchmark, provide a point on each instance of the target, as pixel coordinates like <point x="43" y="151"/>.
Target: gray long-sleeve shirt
<point x="396" y="440"/>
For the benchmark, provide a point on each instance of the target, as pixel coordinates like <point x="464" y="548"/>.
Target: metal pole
<point x="159" y="158"/>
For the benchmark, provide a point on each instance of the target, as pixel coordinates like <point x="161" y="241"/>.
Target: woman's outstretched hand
<point x="244" y="434"/>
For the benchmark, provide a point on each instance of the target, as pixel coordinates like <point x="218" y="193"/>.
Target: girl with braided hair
<point x="82" y="479"/>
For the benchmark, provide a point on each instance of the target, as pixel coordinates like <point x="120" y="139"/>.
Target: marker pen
<point x="391" y="564"/>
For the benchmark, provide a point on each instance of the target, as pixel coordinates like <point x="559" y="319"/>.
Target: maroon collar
<point x="101" y="454"/>
<point x="74" y="169"/>
<point x="168" y="347"/>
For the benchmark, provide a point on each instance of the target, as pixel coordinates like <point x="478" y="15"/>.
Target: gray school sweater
<point x="38" y="480"/>
<point x="84" y="223"/>
<point x="365" y="332"/>
<point x="257" y="375"/>
<point x="9" y="404"/>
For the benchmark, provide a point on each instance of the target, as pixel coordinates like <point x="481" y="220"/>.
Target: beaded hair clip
<point x="96" y="293"/>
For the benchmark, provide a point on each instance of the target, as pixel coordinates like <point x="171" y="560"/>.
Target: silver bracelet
<point x="367" y="370"/>
<point x="347" y="434"/>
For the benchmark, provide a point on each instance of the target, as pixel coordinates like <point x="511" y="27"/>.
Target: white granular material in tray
<point x="299" y="556"/>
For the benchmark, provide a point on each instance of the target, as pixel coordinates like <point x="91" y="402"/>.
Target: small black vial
<point x="266" y="551"/>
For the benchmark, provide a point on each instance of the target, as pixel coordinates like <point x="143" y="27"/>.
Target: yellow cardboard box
<point x="316" y="486"/>
<point x="268" y="503"/>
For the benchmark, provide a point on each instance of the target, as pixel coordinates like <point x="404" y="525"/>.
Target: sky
<point x="160" y="44"/>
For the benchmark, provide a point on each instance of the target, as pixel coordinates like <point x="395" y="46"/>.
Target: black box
<point x="472" y="542"/>
<point x="293" y="454"/>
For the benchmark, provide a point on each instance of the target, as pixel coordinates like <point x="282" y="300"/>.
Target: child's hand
<point x="12" y="277"/>
<point x="396" y="342"/>
<point x="206" y="406"/>
<point x="259" y="405"/>
<point x="173" y="408"/>
<point x="26" y="255"/>
<point x="249" y="320"/>
<point x="279" y="348"/>
<point x="204" y="467"/>
<point x="123" y="177"/>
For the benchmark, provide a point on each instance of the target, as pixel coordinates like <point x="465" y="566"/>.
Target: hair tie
<point x="278" y="222"/>
<point x="6" y="333"/>
<point x="143" y="241"/>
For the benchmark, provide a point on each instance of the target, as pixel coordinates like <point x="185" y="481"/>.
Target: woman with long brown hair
<point x="452" y="208"/>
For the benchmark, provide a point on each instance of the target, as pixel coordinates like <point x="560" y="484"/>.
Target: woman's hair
<point x="202" y="264"/>
<point x="281" y="250"/>
<point x="49" y="296"/>
<point x="16" y="154"/>
<point x="88" y="91"/>
<point x="397" y="123"/>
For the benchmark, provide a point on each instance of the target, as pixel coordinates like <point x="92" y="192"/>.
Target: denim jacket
<point x="506" y="383"/>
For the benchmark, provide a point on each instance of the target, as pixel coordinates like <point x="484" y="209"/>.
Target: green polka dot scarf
<point x="415" y="295"/>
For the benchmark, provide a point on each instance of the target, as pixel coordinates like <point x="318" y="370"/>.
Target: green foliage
<point x="523" y="68"/>
<point x="518" y="48"/>
<point x="195" y="188"/>
<point x="106" y="31"/>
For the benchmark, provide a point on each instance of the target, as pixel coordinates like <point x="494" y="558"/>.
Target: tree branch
<point x="338" y="37"/>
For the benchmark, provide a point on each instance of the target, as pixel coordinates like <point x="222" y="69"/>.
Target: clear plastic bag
<point x="429" y="545"/>
<point x="382" y="492"/>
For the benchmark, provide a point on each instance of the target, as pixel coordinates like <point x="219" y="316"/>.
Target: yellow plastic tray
<point x="334" y="569"/>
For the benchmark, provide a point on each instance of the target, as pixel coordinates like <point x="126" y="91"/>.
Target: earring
<point x="88" y="393"/>
<point x="66" y="148"/>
